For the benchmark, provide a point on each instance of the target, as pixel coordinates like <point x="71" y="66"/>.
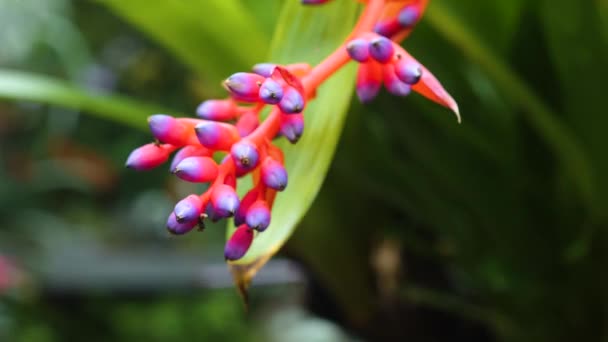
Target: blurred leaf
<point x="580" y="53"/>
<point x="213" y="37"/>
<point x="305" y="34"/>
<point x="557" y="136"/>
<point x="16" y="85"/>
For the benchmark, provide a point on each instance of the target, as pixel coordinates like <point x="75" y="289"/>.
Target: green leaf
<point x="16" y="85"/>
<point x="305" y="35"/>
<point x="579" y="53"/>
<point x="213" y="37"/>
<point x="557" y="136"/>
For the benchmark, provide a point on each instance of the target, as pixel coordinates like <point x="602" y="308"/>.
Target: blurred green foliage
<point x="501" y="220"/>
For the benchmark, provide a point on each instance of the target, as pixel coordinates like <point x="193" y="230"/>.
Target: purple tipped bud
<point x="220" y="110"/>
<point x="274" y="174"/>
<point x="245" y="155"/>
<point x="197" y="169"/>
<point x="224" y="200"/>
<point x="292" y="127"/>
<point x="271" y="91"/>
<point x="388" y="28"/>
<point x="246" y="202"/>
<point x="292" y="102"/>
<point x="358" y="50"/>
<point x="239" y="243"/>
<point x="409" y="16"/>
<point x="369" y="81"/>
<point x="216" y="135"/>
<point x="313" y="2"/>
<point x="168" y="130"/>
<point x="393" y="84"/>
<point x="189" y="209"/>
<point x="408" y="71"/>
<point x="177" y="228"/>
<point x="148" y="156"/>
<point x="381" y="49"/>
<point x="212" y="215"/>
<point x="264" y="69"/>
<point x="258" y="216"/>
<point x="244" y="86"/>
<point x="188" y="151"/>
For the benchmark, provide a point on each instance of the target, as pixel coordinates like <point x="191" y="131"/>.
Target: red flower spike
<point x="369" y="81"/>
<point x="217" y="135"/>
<point x="197" y="169"/>
<point x="239" y="243"/>
<point x="287" y="89"/>
<point x="149" y="156"/>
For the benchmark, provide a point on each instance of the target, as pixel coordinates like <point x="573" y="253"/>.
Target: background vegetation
<point x="425" y="230"/>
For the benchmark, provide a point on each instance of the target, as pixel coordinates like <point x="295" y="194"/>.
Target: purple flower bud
<point x="369" y="81"/>
<point x="258" y="216"/>
<point x="388" y="28"/>
<point x="246" y="202"/>
<point x="212" y="215"/>
<point x="292" y="127"/>
<point x="189" y="209"/>
<point x="408" y="71"/>
<point x="313" y="2"/>
<point x="216" y="135"/>
<point x="244" y="86"/>
<point x="292" y="102"/>
<point x="358" y="50"/>
<point x="274" y="174"/>
<point x="197" y="169"/>
<point x="220" y="110"/>
<point x="224" y="200"/>
<point x="245" y="155"/>
<point x="177" y="228"/>
<point x="148" y="156"/>
<point x="168" y="130"/>
<point x="188" y="151"/>
<point x="409" y="16"/>
<point x="392" y="83"/>
<point x="239" y="243"/>
<point x="271" y="91"/>
<point x="381" y="49"/>
<point x="264" y="69"/>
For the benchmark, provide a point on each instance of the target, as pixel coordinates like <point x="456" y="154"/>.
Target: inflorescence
<point x="233" y="127"/>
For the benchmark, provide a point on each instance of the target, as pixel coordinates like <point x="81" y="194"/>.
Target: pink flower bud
<point x="188" y="209"/>
<point x="393" y="84"/>
<point x="258" y="216"/>
<point x="381" y="49"/>
<point x="292" y="127"/>
<point x="369" y="81"/>
<point x="244" y="86"/>
<point x="216" y="135"/>
<point x="189" y="151"/>
<point x="220" y="110"/>
<point x="246" y="202"/>
<point x="292" y="101"/>
<point x="197" y="169"/>
<point x="274" y="174"/>
<point x="239" y="243"/>
<point x="177" y="228"/>
<point x="149" y="156"/>
<point x="224" y="200"/>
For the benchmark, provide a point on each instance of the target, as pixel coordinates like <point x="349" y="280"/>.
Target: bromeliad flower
<point x="229" y="140"/>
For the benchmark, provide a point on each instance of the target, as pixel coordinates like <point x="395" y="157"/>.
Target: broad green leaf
<point x="305" y="35"/>
<point x="16" y="85"/>
<point x="213" y="37"/>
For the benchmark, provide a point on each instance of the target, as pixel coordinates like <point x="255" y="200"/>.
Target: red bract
<point x="234" y="126"/>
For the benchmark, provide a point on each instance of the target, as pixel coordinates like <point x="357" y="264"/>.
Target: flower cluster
<point x="229" y="139"/>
